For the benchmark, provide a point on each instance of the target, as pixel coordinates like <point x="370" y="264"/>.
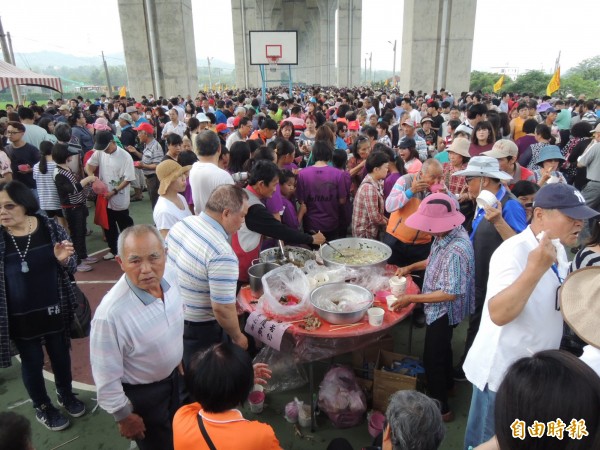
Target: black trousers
<point x="437" y="360"/>
<point x="117" y="221"/>
<point x="152" y="185"/>
<point x="156" y="403"/>
<point x="76" y="218"/>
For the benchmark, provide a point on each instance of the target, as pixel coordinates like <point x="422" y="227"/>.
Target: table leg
<point x="311" y="389"/>
<point x="410" y="335"/>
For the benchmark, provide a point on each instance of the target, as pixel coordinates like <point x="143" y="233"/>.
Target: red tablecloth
<point x="326" y="341"/>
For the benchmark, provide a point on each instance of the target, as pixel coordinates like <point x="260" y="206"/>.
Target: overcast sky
<point x="526" y="34"/>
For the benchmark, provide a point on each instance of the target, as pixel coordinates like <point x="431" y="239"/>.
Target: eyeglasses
<point x="527" y="205"/>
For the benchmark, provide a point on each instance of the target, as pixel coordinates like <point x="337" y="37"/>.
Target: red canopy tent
<point x="11" y="76"/>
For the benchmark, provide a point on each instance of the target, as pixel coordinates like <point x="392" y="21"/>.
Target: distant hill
<point x="56" y="59"/>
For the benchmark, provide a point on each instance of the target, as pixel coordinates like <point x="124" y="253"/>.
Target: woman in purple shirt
<point x="320" y="192"/>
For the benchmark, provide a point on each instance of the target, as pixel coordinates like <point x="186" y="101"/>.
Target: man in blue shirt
<point x="491" y="225"/>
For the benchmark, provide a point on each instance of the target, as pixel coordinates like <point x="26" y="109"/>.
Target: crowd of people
<point x="483" y="199"/>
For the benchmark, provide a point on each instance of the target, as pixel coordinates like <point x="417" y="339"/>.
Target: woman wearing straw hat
<point x="448" y="289"/>
<point x="171" y="206"/>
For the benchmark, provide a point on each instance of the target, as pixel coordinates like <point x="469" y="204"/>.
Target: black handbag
<point x="82" y="314"/>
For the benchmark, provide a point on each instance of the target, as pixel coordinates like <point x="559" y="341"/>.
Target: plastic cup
<point x="553" y="179"/>
<point x="304" y="416"/>
<point x="256" y="399"/>
<point x="376" y="316"/>
<point x="486" y="198"/>
<point x="397" y="285"/>
<point x="321" y="278"/>
<point x="391" y="299"/>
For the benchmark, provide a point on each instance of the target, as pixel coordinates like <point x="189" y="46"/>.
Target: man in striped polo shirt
<point x="207" y="270"/>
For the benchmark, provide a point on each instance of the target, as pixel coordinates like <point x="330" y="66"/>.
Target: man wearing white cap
<point x="521" y="313"/>
<point x="492" y="224"/>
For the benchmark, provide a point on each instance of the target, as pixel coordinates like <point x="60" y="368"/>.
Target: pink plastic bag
<point x="341" y="398"/>
<point x="99" y="187"/>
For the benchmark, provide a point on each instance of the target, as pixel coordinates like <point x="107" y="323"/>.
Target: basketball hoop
<point x="273" y="63"/>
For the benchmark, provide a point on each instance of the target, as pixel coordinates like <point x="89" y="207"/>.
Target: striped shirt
<point x="152" y="154"/>
<point x="135" y="339"/>
<point x="49" y="200"/>
<point x="69" y="189"/>
<point x="207" y="267"/>
<point x="451" y="269"/>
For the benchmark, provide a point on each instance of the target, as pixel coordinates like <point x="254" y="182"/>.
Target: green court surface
<point x="97" y="430"/>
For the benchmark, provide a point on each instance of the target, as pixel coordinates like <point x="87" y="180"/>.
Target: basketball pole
<point x="263" y="76"/>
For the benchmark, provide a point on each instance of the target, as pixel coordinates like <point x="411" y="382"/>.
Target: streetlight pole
<point x="394" y="66"/>
<point x="209" y="74"/>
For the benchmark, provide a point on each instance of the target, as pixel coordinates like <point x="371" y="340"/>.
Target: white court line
<point x="76" y="384"/>
<point x="98" y="252"/>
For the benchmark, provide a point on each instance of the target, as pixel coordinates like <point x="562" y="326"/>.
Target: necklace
<point x="24" y="265"/>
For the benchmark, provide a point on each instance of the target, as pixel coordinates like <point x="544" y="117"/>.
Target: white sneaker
<point x="90" y="260"/>
<point x="108" y="256"/>
<point x="83" y="268"/>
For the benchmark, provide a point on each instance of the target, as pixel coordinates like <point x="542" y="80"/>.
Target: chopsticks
<point x="342" y="327"/>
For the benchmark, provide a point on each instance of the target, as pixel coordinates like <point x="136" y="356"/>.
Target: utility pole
<point x="371" y="66"/>
<point x="6" y="53"/>
<point x="12" y="59"/>
<point x="109" y="94"/>
<point x="209" y="74"/>
<point x="366" y="77"/>
<point x="394" y="66"/>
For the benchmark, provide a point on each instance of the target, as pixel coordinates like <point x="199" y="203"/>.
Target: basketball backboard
<point x="265" y="46"/>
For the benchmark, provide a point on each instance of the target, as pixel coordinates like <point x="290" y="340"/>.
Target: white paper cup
<point x="376" y="316"/>
<point x="256" y="400"/>
<point x="397" y="285"/>
<point x="486" y="198"/>
<point x="391" y="299"/>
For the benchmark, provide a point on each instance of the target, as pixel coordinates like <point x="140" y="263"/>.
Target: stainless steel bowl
<point x="328" y="254"/>
<point x="255" y="274"/>
<point x="296" y="255"/>
<point x="333" y="289"/>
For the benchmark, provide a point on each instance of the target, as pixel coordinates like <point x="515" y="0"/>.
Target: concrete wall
<point x="315" y="22"/>
<point x="169" y="24"/>
<point x="436" y="47"/>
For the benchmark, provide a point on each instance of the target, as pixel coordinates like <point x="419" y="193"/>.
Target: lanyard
<point x="555" y="270"/>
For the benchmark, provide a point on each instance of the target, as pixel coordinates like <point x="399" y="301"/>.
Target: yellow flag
<point x="386" y="82"/>
<point x="499" y="84"/>
<point x="123" y="91"/>
<point x="554" y="84"/>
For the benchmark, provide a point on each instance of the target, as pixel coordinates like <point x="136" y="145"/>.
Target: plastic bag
<point x="286" y="373"/>
<point x="99" y="187"/>
<point x="286" y="283"/>
<point x="371" y="278"/>
<point x="318" y="274"/>
<point x="341" y="398"/>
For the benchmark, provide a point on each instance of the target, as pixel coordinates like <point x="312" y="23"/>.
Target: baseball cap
<point x="566" y="199"/>
<point x="222" y="128"/>
<point x="462" y="128"/>
<point x="503" y="148"/>
<point x="202" y="117"/>
<point x="410" y="123"/>
<point x="126" y="117"/>
<point x="131" y="109"/>
<point x="102" y="140"/>
<point x="145" y="127"/>
<point x="426" y="119"/>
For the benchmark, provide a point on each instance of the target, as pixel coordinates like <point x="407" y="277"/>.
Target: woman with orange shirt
<point x="220" y="379"/>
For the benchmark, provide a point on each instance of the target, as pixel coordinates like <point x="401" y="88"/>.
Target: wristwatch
<point x="115" y="191"/>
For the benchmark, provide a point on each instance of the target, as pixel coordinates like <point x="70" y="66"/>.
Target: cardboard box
<point x="365" y="359"/>
<point x="387" y="383"/>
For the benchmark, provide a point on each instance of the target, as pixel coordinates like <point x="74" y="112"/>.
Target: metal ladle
<point x="335" y="250"/>
<point x="284" y="258"/>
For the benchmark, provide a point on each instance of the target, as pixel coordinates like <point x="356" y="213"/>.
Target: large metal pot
<point x="255" y="274"/>
<point x="296" y="255"/>
<point x="333" y="290"/>
<point x="329" y="255"/>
